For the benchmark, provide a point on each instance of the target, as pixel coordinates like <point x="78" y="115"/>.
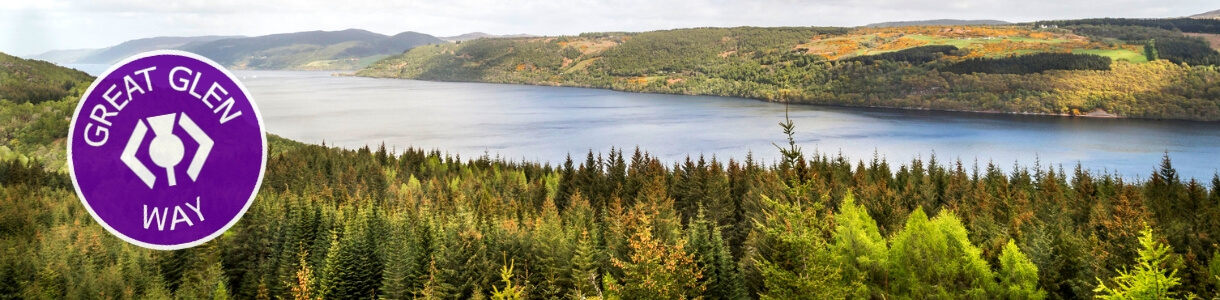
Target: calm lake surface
<point x="547" y="123"/>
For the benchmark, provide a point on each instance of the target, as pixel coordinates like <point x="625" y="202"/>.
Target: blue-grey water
<point x="547" y="123"/>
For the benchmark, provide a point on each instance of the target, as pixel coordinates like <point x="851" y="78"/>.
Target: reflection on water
<point x="546" y="123"/>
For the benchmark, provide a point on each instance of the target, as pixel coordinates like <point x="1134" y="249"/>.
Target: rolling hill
<point x="129" y="48"/>
<point x="118" y="52"/>
<point x="312" y="50"/>
<point x="939" y="22"/>
<point x="37" y="99"/>
<point x="479" y="35"/>
<point x="1215" y="14"/>
<point x="29" y="80"/>
<point x="67" y="56"/>
<point x="1072" y="68"/>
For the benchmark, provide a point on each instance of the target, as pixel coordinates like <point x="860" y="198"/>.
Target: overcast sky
<point x="33" y="26"/>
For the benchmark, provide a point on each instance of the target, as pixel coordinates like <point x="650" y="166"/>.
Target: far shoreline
<point x="1094" y="114"/>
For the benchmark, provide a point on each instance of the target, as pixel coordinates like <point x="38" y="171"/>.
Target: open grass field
<point x="1117" y="54"/>
<point x="978" y="41"/>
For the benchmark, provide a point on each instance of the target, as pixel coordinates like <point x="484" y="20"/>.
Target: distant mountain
<point x="118" y="52"/>
<point x="1215" y="14"/>
<point x="479" y="35"/>
<point x="941" y="22"/>
<point x="319" y="50"/>
<point x="466" y="37"/>
<point x="63" y="56"/>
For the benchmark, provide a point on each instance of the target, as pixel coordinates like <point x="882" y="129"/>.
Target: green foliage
<point x="720" y="277"/>
<point x="36" y="101"/>
<point x="935" y="258"/>
<point x="794" y="260"/>
<point x="208" y="283"/>
<point x="509" y="292"/>
<point x="860" y="249"/>
<point x="1152" y="278"/>
<point x="916" y="55"/>
<point x="406" y="260"/>
<point x="585" y="268"/>
<point x="1150" y="50"/>
<point x="1018" y="275"/>
<point x="656" y="266"/>
<point x="1167" y="43"/>
<point x="354" y="265"/>
<point x="35" y="81"/>
<point x="1032" y="63"/>
<point x="777" y="64"/>
<point x="1183" y="24"/>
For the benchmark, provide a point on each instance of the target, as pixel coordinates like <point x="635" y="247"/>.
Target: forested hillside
<point x="28" y="80"/>
<point x="1128" y="68"/>
<point x="366" y="223"/>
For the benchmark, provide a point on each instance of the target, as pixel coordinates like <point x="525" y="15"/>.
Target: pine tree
<point x="585" y="267"/>
<point x="793" y="258"/>
<point x="432" y="286"/>
<point x="203" y="284"/>
<point x="656" y="269"/>
<point x="613" y="288"/>
<point x="567" y="184"/>
<point x="301" y="288"/>
<point x="510" y="291"/>
<point x="554" y="254"/>
<point x="155" y="291"/>
<point x="222" y="292"/>
<point x="402" y="261"/>
<point x="461" y="260"/>
<point x="353" y="266"/>
<point x="713" y="257"/>
<point x="1152" y="277"/>
<point x="1213" y="269"/>
<point x="1150" y="50"/>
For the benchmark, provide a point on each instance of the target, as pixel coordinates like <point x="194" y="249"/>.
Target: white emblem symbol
<point x="166" y="149"/>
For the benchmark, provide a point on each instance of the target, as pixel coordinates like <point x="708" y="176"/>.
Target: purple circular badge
<point x="167" y="150"/>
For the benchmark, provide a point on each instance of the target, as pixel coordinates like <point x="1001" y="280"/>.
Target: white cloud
<point x="33" y="26"/>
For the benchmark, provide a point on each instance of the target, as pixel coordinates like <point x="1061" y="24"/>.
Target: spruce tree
<point x="793" y="257"/>
<point x="554" y="255"/>
<point x="401" y="264"/>
<point x="1152" y="278"/>
<point x="461" y="260"/>
<point x="656" y="269"/>
<point x="720" y="277"/>
<point x="1150" y="50"/>
<point x="353" y="266"/>
<point x="510" y="290"/>
<point x="585" y="268"/>
<point x="205" y="283"/>
<point x="301" y="287"/>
